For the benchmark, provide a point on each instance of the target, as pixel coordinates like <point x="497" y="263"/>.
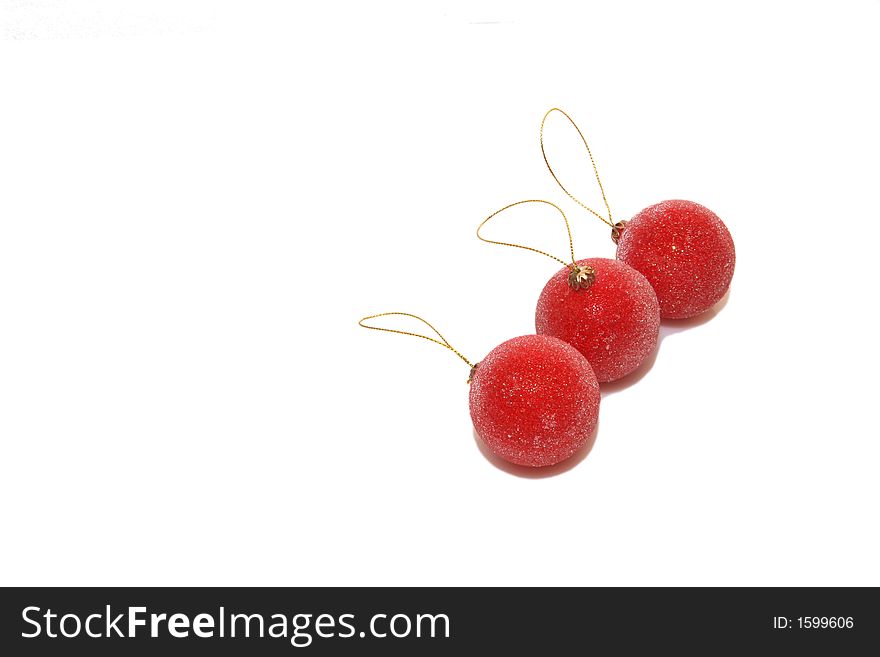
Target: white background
<point x="198" y="200"/>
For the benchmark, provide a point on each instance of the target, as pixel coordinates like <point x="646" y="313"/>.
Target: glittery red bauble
<point x="685" y="251"/>
<point x="614" y="322"/>
<point x="534" y="400"/>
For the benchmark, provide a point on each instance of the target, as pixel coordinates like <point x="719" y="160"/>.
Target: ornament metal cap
<point x="473" y="371"/>
<point x="617" y="231"/>
<point x="581" y="277"/>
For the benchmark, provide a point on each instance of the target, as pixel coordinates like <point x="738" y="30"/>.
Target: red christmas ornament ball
<point x="614" y="321"/>
<point x="534" y="400"/>
<point x="685" y="251"/>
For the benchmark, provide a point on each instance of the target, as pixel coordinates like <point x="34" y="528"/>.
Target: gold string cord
<point x="529" y="248"/>
<point x="443" y="342"/>
<point x="609" y="220"/>
<point x="580" y="277"/>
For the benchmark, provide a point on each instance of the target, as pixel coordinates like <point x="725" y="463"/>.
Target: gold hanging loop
<point x="529" y="248"/>
<point x="580" y="277"/>
<point x="443" y="342"/>
<point x="608" y="220"/>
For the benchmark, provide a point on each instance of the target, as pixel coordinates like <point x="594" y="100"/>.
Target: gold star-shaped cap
<point x="581" y="277"/>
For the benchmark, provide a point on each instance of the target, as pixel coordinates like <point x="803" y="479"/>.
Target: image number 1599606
<point x="814" y="623"/>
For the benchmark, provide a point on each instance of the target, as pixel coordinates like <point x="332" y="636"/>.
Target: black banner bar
<point x="420" y="621"/>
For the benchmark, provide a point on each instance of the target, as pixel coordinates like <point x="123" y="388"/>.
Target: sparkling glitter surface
<point x="685" y="251"/>
<point x="534" y="400"/>
<point x="614" y="323"/>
